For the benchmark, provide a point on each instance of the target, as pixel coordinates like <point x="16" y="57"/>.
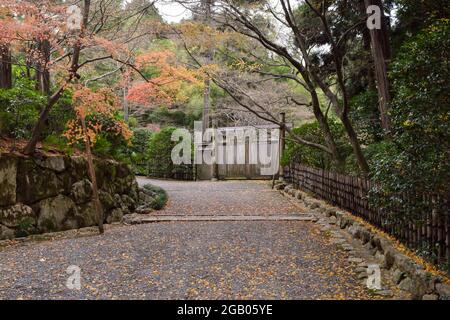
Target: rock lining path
<point x="191" y="260"/>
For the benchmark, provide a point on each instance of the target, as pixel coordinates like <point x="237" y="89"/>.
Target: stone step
<point x="174" y="218"/>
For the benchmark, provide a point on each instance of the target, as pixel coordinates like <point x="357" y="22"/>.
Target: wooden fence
<point x="177" y="172"/>
<point x="428" y="233"/>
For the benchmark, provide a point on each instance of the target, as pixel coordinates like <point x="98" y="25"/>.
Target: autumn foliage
<point x="165" y="86"/>
<point x="95" y="106"/>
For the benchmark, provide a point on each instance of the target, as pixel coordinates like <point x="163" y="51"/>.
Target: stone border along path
<point x="244" y="259"/>
<point x="355" y="253"/>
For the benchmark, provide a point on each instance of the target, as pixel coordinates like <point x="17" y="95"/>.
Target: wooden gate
<point x="240" y="171"/>
<point x="242" y="166"/>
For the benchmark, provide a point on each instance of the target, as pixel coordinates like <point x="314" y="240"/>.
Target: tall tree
<point x="86" y="128"/>
<point x="381" y="52"/>
<point x="43" y="48"/>
<point x="207" y="7"/>
<point x="242" y="20"/>
<point x="72" y="74"/>
<point x="5" y="51"/>
<point x="45" y="33"/>
<point x="5" y="67"/>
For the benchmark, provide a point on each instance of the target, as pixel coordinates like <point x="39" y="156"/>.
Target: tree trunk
<point x="207" y="92"/>
<point x="36" y="135"/>
<point x="357" y="151"/>
<point x="215" y="166"/>
<point x="91" y="169"/>
<point x="42" y="72"/>
<point x="206" y="104"/>
<point x="28" y="62"/>
<point x="126" y="107"/>
<point x="367" y="48"/>
<point x="282" y="145"/>
<point x="340" y="108"/>
<point x="5" y="68"/>
<point x="328" y="136"/>
<point x="310" y="76"/>
<point x="381" y="53"/>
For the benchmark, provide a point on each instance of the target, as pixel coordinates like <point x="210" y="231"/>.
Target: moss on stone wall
<point x="46" y="194"/>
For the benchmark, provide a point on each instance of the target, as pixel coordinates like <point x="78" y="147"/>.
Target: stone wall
<point x="53" y="193"/>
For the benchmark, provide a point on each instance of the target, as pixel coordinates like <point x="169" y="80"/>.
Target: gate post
<point x="215" y="165"/>
<point x="282" y="143"/>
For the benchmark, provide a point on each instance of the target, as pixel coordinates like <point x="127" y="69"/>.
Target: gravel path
<point x="222" y="198"/>
<point x="190" y="260"/>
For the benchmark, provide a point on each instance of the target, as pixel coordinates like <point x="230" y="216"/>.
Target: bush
<point x="59" y="143"/>
<point x="313" y="157"/>
<point x="159" y="153"/>
<point x="415" y="162"/>
<point x="110" y="143"/>
<point x="366" y="117"/>
<point x="60" y="115"/>
<point x="159" y="157"/>
<point x="139" y="150"/>
<point x="19" y="109"/>
<point x="166" y="117"/>
<point x="140" y="143"/>
<point x="103" y="147"/>
<point x="159" y="194"/>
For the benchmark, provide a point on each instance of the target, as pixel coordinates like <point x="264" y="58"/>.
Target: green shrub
<point x="60" y="115"/>
<point x="57" y="142"/>
<point x="415" y="162"/>
<point x="366" y="117"/>
<point x="139" y="150"/>
<point x="159" y="194"/>
<point x="19" y="109"/>
<point x="166" y="117"/>
<point x="109" y="143"/>
<point x="140" y="143"/>
<point x="313" y="157"/>
<point x="159" y="152"/>
<point x="103" y="147"/>
<point x="27" y="226"/>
